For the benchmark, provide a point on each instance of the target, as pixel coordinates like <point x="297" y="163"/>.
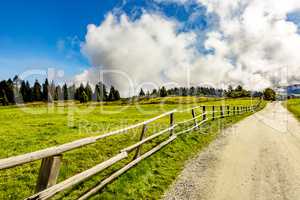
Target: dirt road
<point x="258" y="158"/>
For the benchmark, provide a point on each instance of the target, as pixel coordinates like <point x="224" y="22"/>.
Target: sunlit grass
<point x="293" y="105"/>
<point x="37" y="126"/>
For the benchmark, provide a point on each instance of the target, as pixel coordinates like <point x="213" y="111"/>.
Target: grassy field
<point x="36" y="126"/>
<point x="293" y="105"/>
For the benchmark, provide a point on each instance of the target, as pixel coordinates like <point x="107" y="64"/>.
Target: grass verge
<point x="293" y="105"/>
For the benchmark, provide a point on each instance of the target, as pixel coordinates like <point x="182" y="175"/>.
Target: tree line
<point x="14" y="91"/>
<point x="182" y="91"/>
<point x="238" y="92"/>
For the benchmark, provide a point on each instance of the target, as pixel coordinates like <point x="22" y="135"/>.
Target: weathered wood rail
<point x="47" y="185"/>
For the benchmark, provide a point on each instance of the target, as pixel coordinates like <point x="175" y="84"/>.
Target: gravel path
<point x="256" y="159"/>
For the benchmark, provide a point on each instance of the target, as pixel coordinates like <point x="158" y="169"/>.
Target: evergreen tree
<point x="163" y="92"/>
<point x="100" y="92"/>
<point x="148" y="94"/>
<point x="142" y="93"/>
<point x="154" y="93"/>
<point x="16" y="86"/>
<point x="9" y="90"/>
<point x="114" y="94"/>
<point x="88" y="92"/>
<point x="3" y="97"/>
<point x="80" y="94"/>
<point x="58" y="94"/>
<point x="117" y="95"/>
<point x="183" y="91"/>
<point x="16" y="79"/>
<point x="84" y="97"/>
<point x="23" y="91"/>
<point x="29" y="93"/>
<point x="96" y="95"/>
<point x="45" y="94"/>
<point x="52" y="89"/>
<point x="176" y="91"/>
<point x="111" y="95"/>
<point x="192" y="91"/>
<point x="103" y="91"/>
<point x="65" y="91"/>
<point x="71" y="92"/>
<point x="36" y="91"/>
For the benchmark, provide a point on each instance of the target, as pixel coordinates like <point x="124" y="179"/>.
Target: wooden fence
<point x="47" y="185"/>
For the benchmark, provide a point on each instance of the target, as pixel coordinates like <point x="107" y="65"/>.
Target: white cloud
<point x="147" y="50"/>
<point x="254" y="45"/>
<point x="261" y="39"/>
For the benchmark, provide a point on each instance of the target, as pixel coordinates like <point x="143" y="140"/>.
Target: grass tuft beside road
<point x="293" y="105"/>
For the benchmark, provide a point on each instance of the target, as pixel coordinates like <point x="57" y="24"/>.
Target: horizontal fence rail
<point x="47" y="187"/>
<point x="52" y="151"/>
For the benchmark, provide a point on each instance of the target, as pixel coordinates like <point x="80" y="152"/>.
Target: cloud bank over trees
<point x="254" y="44"/>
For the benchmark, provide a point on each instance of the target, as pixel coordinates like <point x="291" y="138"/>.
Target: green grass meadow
<point x="293" y="105"/>
<point x="36" y="126"/>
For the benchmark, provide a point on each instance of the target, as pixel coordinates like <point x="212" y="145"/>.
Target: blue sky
<point x="31" y="31"/>
<point x="38" y="34"/>
<point x="295" y="17"/>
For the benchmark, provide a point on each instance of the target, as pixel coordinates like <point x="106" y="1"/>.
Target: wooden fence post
<point x="238" y="110"/>
<point x="221" y="112"/>
<point x="48" y="173"/>
<point x="171" y="123"/>
<point x="213" y="112"/>
<point x="233" y="110"/>
<point x="194" y="115"/>
<point x="228" y="111"/>
<point x="142" y="136"/>
<point x="204" y="112"/>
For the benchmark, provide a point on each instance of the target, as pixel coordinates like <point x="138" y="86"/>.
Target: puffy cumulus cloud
<point x="254" y="45"/>
<point x="260" y="39"/>
<point x="147" y="51"/>
<point x="150" y="52"/>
